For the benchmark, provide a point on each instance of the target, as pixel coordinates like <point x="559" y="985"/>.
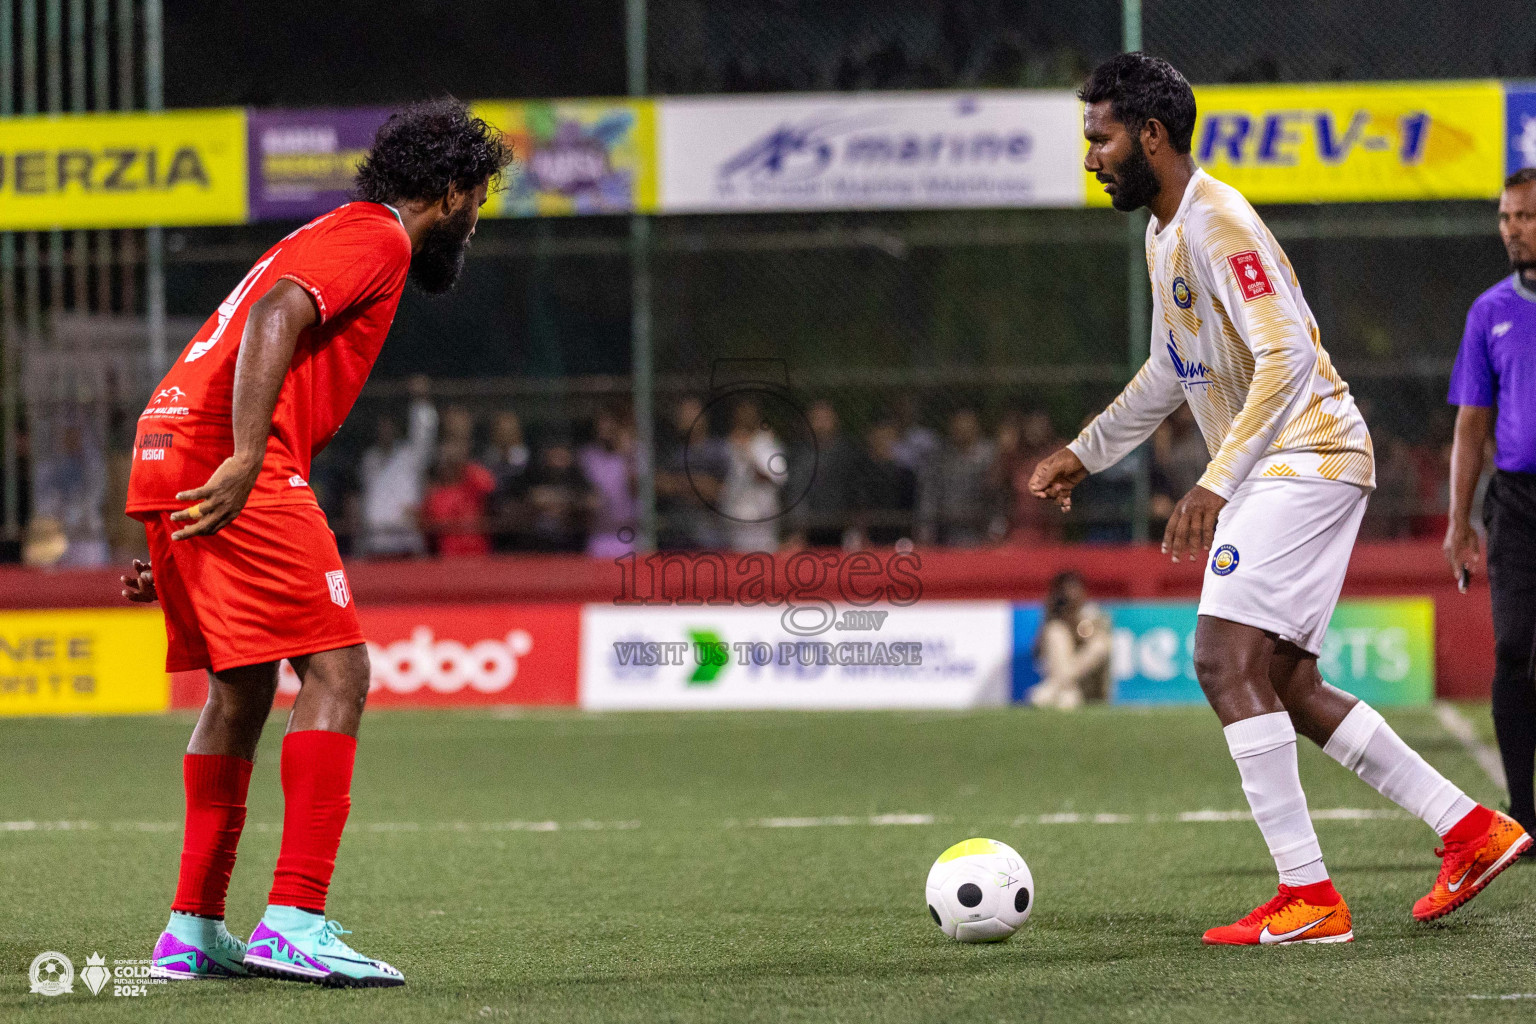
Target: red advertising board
<point x="452" y="656"/>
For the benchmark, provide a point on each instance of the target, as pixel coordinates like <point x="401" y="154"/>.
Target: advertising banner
<point x="575" y="156"/>
<point x="1380" y="650"/>
<point x="871" y="151"/>
<point x="123" y="170"/>
<point x="452" y="656"/>
<point x="939" y="654"/>
<point x="1350" y="142"/>
<point x="302" y="161"/>
<point x="1520" y="126"/>
<point x="95" y="662"/>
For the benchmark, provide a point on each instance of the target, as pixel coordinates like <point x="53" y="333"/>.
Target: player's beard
<point x="1135" y="182"/>
<point x="437" y="264"/>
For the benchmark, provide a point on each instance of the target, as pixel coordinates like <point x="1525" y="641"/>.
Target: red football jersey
<point x="353" y="262"/>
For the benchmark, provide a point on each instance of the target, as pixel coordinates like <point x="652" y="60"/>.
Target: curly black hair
<point x="422" y="150"/>
<point x="1141" y="88"/>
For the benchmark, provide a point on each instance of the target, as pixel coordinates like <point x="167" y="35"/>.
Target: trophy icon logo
<point x="95" y="974"/>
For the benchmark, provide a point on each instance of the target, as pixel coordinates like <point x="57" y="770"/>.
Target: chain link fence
<point x="849" y="378"/>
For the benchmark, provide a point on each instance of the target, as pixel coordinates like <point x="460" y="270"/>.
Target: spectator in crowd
<point x="458" y="425"/>
<point x="608" y="464"/>
<point x="507" y="458"/>
<point x="756" y="469"/>
<point x="915" y="443"/>
<point x="1179" y="457"/>
<point x="560" y="499"/>
<point x="887" y="494"/>
<point x="1389" y="514"/>
<point x="1023" y="439"/>
<point x="832" y="461"/>
<point x="392" y="473"/>
<point x="69" y="488"/>
<point x="958" y="504"/>
<point x="454" y="510"/>
<point x="1432" y="457"/>
<point x="690" y="468"/>
<point x="1072" y="649"/>
<point x="1105" y="503"/>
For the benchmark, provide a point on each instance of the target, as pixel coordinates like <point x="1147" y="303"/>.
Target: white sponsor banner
<point x="934" y="654"/>
<point x="871" y="151"/>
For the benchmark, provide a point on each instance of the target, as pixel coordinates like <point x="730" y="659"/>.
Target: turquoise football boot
<point x="196" y="948"/>
<point x="295" y="945"/>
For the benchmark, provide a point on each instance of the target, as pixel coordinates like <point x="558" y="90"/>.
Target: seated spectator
<point x="690" y="467"/>
<point x="823" y="513"/>
<point x="392" y="472"/>
<point x="915" y="443"/>
<point x="1179" y="457"/>
<point x="68" y="490"/>
<point x="1072" y="649"/>
<point x="887" y="491"/>
<point x="560" y="500"/>
<point x="1389" y="513"/>
<point x="608" y="464"/>
<point x="958" y="504"/>
<point x="454" y="510"/>
<point x="458" y="425"/>
<point x="507" y="457"/>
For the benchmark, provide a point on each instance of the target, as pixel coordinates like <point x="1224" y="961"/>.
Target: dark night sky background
<point x="309" y="53"/>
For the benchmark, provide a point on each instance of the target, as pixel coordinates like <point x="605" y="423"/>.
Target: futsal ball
<point x="980" y="891"/>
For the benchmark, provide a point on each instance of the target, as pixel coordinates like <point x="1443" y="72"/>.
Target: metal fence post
<point x="154" y="236"/>
<point x="1137" y="297"/>
<point x="641" y="349"/>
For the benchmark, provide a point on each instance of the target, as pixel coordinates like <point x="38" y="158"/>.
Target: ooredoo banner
<point x="872" y="151"/>
<point x="936" y="654"/>
<point x="454" y="655"/>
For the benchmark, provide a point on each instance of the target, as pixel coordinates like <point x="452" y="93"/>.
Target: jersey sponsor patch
<point x="1250" y="275"/>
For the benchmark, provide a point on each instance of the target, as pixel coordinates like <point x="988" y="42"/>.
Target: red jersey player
<point x="241" y="558"/>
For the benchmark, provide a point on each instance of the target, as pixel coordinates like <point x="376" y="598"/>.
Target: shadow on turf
<point x="1335" y="869"/>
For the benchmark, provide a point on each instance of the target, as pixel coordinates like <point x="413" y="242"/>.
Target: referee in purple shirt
<point x="1496" y="367"/>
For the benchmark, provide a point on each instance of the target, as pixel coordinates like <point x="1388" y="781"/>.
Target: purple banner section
<point x="302" y="161"/>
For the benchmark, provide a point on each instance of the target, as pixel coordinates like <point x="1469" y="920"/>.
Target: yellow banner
<point x="1350" y="143"/>
<point x="123" y="170"/>
<point x="88" y="662"/>
<point x="575" y="156"/>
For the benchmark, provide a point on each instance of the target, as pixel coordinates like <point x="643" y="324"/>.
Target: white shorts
<point x="1281" y="548"/>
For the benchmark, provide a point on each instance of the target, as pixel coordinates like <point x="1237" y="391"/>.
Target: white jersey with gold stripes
<point x="1233" y="337"/>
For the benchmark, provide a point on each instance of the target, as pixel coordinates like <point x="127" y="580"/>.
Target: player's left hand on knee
<point x="1192" y="527"/>
<point x="217" y="502"/>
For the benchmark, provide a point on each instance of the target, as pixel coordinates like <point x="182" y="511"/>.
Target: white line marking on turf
<point x="1200" y="817"/>
<point x="1455" y="723"/>
<point x="840" y="819"/>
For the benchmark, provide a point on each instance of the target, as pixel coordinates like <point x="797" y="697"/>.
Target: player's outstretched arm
<point x="266" y="352"/>
<point x="140" y="587"/>
<point x="1056" y="475"/>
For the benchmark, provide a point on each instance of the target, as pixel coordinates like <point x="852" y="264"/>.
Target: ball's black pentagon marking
<point x="1021" y="900"/>
<point x="935" y="914"/>
<point x="968" y="894"/>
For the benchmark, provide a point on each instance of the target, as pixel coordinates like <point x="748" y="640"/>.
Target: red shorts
<point x="268" y="586"/>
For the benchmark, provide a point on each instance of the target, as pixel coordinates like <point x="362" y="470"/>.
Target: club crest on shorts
<point x="336" y="579"/>
<point x="1224" y="560"/>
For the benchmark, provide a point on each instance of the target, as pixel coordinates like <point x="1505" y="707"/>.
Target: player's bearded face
<point x="1135" y="183"/>
<point x="437" y="264"/>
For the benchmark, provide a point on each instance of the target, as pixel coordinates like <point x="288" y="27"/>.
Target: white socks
<point x="1264" y="748"/>
<point x="1366" y="744"/>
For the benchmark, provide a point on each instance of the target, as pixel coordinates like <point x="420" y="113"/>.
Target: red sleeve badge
<point x="1251" y="278"/>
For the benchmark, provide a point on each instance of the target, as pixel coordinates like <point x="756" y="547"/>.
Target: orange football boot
<point x="1288" y="918"/>
<point x="1470" y="865"/>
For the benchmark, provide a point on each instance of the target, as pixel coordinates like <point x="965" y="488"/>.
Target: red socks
<point x="317" y="783"/>
<point x="216" y="785"/>
<point x="1470" y="827"/>
<point x="1319" y="894"/>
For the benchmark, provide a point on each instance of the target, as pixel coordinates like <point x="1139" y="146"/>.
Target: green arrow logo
<point x="707" y="648"/>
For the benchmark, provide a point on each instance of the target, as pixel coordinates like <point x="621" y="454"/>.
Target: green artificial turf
<point x="685" y="876"/>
